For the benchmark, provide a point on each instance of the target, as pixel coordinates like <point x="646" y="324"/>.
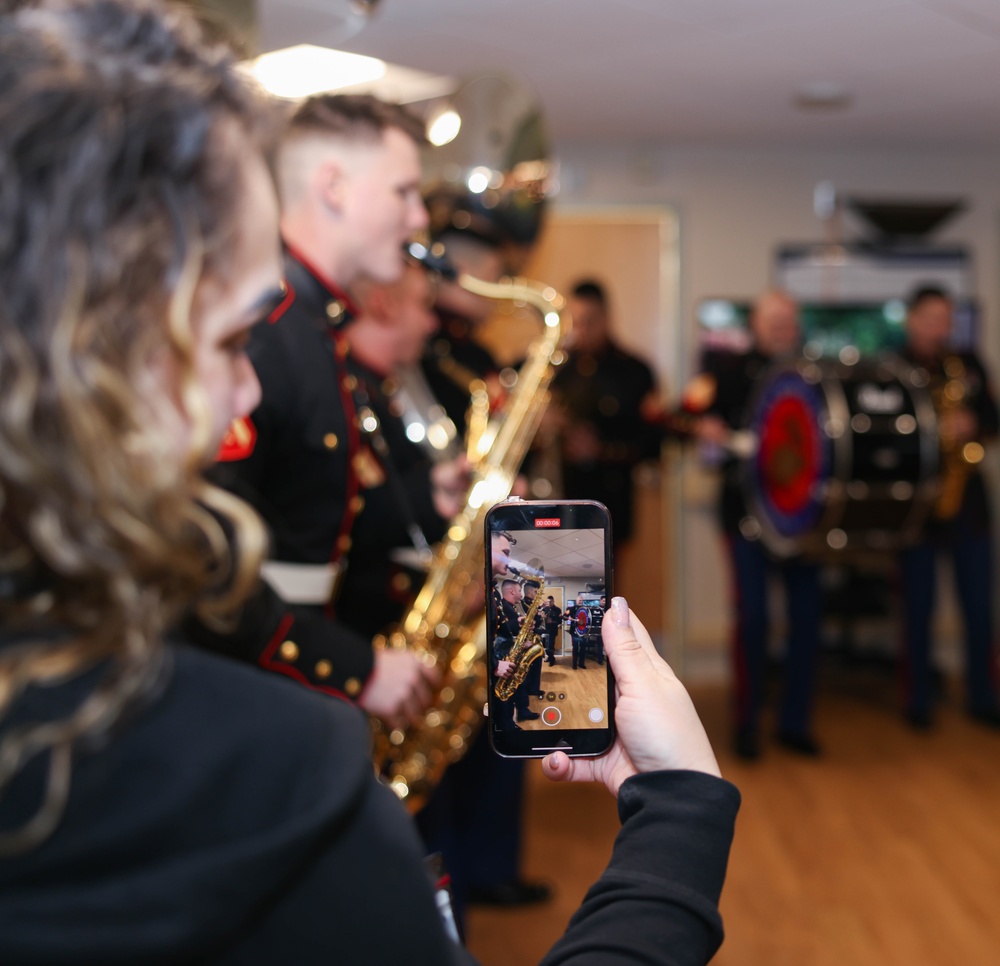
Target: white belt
<point x="301" y="583"/>
<point x="411" y="557"/>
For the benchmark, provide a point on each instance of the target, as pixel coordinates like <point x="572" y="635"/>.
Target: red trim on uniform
<point x="282" y="307"/>
<point x="276" y="640"/>
<point x="353" y="448"/>
<point x="267" y="662"/>
<point x="296" y="675"/>
<point x="332" y="287"/>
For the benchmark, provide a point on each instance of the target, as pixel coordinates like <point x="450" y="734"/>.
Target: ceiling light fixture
<point x="306" y="69"/>
<point x="444" y="128"/>
<point x="823" y="96"/>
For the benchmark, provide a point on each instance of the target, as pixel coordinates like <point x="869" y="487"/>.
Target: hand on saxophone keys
<point x="399" y="689"/>
<point x="504" y="669"/>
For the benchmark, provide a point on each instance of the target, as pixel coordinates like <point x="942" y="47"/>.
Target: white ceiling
<point x="700" y="71"/>
<point x="560" y="553"/>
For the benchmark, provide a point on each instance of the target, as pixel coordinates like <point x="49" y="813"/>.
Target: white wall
<point x="735" y="206"/>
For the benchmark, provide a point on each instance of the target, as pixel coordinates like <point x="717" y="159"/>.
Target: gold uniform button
<point x="330" y="441"/>
<point x="352" y="686"/>
<point x="289" y="650"/>
<point x="357" y="504"/>
<point x="401" y="583"/>
<point x="344" y="544"/>
<point x="350" y="383"/>
<point x="323" y="669"/>
<point x="334" y="310"/>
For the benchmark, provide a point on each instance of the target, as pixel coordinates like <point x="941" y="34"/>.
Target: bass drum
<point x="846" y="457"/>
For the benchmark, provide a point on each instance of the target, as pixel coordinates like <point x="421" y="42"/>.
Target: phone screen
<point x="548" y="575"/>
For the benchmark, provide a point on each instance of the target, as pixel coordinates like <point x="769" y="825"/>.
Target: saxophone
<point x="526" y="649"/>
<point x="957" y="458"/>
<point x="446" y="625"/>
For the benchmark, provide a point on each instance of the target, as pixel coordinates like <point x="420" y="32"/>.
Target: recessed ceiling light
<point x="823" y="96"/>
<point x="444" y="128"/>
<point x="306" y="69"/>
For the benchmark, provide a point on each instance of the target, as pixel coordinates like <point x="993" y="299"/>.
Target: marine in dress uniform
<point x="297" y="461"/>
<point x="399" y="510"/>
<point x="533" y="681"/>
<point x="965" y="533"/>
<point x="504" y="634"/>
<point x="300" y="458"/>
<point x="552" y="617"/>
<point x="775" y="326"/>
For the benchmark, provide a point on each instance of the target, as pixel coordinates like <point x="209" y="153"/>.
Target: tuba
<point x="525" y="650"/>
<point x="446" y="623"/>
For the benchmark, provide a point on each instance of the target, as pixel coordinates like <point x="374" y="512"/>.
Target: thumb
<point x="626" y="652"/>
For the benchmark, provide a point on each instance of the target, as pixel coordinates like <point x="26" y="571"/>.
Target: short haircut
<point x="924" y="293"/>
<point x="591" y="290"/>
<point x="531" y="582"/>
<point x="508" y="582"/>
<point x="551" y="597"/>
<point x="354" y="117"/>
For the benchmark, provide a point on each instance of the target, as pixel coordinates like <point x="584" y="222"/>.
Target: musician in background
<point x="475" y="817"/>
<point x="552" y="617"/>
<point x="577" y="632"/>
<point x="600" y="396"/>
<point x="960" y="522"/>
<point x="774" y="325"/>
<point x="455" y="359"/>
<point x="407" y="499"/>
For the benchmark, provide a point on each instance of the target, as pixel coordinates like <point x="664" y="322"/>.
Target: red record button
<point x="551" y="716"/>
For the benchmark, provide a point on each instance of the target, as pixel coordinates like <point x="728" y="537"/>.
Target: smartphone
<point x="548" y="585"/>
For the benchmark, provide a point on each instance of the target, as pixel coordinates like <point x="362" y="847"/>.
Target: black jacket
<point x="300" y="469"/>
<point x="235" y="819"/>
<point x="979" y="398"/>
<point x="397" y="496"/>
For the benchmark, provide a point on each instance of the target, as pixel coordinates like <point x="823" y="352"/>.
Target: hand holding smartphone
<point x="549" y="581"/>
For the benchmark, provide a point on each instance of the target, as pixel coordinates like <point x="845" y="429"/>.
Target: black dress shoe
<point x="920" y="719"/>
<point x="516" y="893"/>
<point x="527" y="715"/>
<point x="800" y="744"/>
<point x="747" y="744"/>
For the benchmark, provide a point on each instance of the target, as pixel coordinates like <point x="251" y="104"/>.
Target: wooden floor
<point x="885" y="851"/>
<point x="573" y="693"/>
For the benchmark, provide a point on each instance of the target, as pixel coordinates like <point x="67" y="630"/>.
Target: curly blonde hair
<point x="121" y="135"/>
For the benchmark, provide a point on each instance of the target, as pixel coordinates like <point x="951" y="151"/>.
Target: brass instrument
<point x="957" y="458"/>
<point x="447" y="622"/>
<point x="501" y="144"/>
<point x="526" y="649"/>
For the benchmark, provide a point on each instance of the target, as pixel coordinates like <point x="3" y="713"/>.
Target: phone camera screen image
<point x="548" y="587"/>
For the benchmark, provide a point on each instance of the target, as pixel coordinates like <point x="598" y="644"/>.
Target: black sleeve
<point x="300" y="642"/>
<point x="657" y="901"/>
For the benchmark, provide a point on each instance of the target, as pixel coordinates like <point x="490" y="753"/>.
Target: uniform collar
<point x="314" y="288"/>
